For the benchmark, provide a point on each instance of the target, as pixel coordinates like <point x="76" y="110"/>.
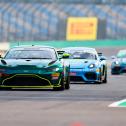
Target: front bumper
<point x="84" y="75"/>
<point x="30" y="81"/>
<point x="118" y="69"/>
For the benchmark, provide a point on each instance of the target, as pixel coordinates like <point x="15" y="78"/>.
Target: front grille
<point x="116" y="69"/>
<point x="76" y="78"/>
<point x="91" y="76"/>
<point x="26" y="81"/>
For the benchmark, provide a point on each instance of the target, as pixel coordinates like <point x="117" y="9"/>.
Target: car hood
<point x="80" y="63"/>
<point x="29" y="63"/>
<point x="121" y="60"/>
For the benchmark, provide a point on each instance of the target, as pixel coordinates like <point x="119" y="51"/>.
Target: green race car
<point x="118" y="65"/>
<point x="33" y="67"/>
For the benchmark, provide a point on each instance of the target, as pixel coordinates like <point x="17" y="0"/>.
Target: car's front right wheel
<point x="67" y="85"/>
<point x="105" y="79"/>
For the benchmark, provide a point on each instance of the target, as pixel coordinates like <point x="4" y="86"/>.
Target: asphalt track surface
<point x="82" y="105"/>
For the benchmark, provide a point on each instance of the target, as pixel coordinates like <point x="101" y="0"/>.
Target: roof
<point x="31" y="47"/>
<point x="80" y="48"/>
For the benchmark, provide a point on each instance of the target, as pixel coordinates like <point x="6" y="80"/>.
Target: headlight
<point x="91" y="66"/>
<point x="116" y="62"/>
<point x="53" y="69"/>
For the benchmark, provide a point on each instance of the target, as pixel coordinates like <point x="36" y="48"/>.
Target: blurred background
<point x="31" y="20"/>
<point x="47" y="20"/>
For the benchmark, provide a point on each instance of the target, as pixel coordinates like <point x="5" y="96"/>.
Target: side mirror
<point x="103" y="58"/>
<point x="113" y="57"/>
<point x="65" y="55"/>
<point x="60" y="53"/>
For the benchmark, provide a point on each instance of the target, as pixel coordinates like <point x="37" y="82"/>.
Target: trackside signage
<point x="81" y="28"/>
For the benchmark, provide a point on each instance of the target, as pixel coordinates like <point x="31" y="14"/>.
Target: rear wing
<point x="102" y="57"/>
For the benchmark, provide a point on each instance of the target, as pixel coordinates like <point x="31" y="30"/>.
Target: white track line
<point x="116" y="104"/>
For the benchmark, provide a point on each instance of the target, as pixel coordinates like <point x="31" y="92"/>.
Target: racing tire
<point x="67" y="85"/>
<point x="61" y="88"/>
<point x="105" y="79"/>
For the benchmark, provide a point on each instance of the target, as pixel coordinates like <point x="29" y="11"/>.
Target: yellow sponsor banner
<point x="82" y="28"/>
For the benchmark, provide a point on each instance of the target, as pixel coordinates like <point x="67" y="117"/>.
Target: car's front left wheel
<point x="61" y="88"/>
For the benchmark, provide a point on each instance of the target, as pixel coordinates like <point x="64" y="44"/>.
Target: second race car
<point x="118" y="65"/>
<point x="85" y="64"/>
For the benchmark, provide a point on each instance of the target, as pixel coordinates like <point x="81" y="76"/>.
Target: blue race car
<point x="118" y="65"/>
<point x="85" y="65"/>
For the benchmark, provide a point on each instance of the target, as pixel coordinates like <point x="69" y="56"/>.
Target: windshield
<point x="31" y="54"/>
<point x="121" y="54"/>
<point x="82" y="55"/>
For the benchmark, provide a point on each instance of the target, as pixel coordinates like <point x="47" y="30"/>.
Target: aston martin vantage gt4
<point x="33" y="67"/>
